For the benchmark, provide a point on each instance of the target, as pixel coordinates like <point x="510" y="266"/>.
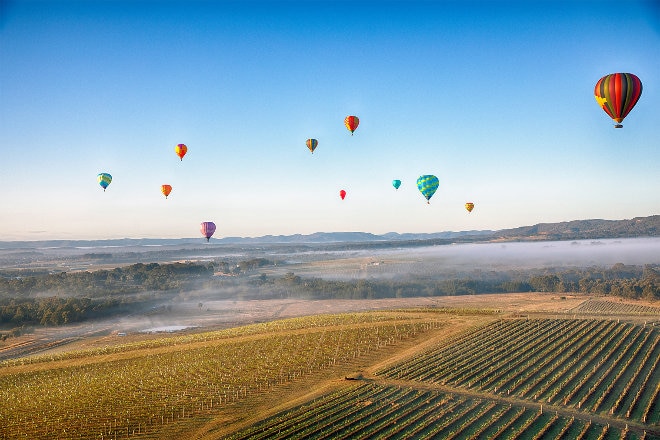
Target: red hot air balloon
<point x="617" y="94"/>
<point x="342" y="194"/>
<point x="351" y="122"/>
<point x="207" y="228"/>
<point x="166" y="190"/>
<point x="181" y="150"/>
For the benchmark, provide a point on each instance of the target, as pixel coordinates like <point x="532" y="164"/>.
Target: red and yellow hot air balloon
<point x="617" y="94"/>
<point x="342" y="194"/>
<point x="181" y="150"/>
<point x="351" y="122"/>
<point x="469" y="206"/>
<point x="166" y="190"/>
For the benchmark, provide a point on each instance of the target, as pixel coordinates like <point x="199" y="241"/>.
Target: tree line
<point x="635" y="282"/>
<point x="64" y="298"/>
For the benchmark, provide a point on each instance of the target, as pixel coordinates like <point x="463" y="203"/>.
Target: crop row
<point x="597" y="306"/>
<point x="138" y="394"/>
<point x="380" y="411"/>
<point x="595" y="365"/>
<point x="297" y="323"/>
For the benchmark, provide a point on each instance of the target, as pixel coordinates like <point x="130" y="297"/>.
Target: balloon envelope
<point x="104" y="180"/>
<point x="617" y="94"/>
<point x="351" y="122"/>
<point x="396" y="183"/>
<point x="342" y="194"/>
<point x="312" y="144"/>
<point x="469" y="206"/>
<point x="207" y="229"/>
<point x="427" y="185"/>
<point x="166" y="190"/>
<point x="181" y="150"/>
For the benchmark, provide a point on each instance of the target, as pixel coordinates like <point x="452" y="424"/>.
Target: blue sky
<point x="495" y="98"/>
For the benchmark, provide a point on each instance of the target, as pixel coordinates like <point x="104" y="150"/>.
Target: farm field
<point x="448" y="372"/>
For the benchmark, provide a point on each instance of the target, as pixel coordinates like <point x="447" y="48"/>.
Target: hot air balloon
<point x="427" y="185"/>
<point x="617" y="94"/>
<point x="166" y="190"/>
<point x="396" y="183"/>
<point x="104" y="180"/>
<point x="207" y="228"/>
<point x="351" y="123"/>
<point x="312" y="144"/>
<point x="342" y="194"/>
<point x="181" y="150"/>
<point x="469" y="206"/>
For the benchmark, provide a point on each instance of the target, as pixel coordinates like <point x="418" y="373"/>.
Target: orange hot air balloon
<point x="351" y="122"/>
<point x="469" y="206"/>
<point x="181" y="150"/>
<point x="166" y="190"/>
<point x="342" y="194"/>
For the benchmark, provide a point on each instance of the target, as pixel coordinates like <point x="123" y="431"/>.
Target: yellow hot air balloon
<point x="469" y="206"/>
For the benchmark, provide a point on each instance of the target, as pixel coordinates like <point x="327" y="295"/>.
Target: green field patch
<point x="600" y="366"/>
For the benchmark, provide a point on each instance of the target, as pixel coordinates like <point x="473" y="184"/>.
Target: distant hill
<point x="341" y="237"/>
<point x="572" y="230"/>
<point x="585" y="229"/>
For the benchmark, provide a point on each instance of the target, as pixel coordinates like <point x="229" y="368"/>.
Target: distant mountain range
<point x="572" y="230"/>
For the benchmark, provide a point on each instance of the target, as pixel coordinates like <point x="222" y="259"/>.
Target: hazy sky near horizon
<point x="493" y="97"/>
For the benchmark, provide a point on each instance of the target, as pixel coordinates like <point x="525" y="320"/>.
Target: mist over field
<point x="452" y="260"/>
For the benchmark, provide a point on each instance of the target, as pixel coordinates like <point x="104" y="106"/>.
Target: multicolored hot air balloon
<point x="469" y="206"/>
<point x="104" y="180"/>
<point x="617" y="94"/>
<point x="166" y="190"/>
<point x="351" y="123"/>
<point x="181" y="150"/>
<point x="312" y="144"/>
<point x="207" y="228"/>
<point x="342" y="194"/>
<point x="427" y="185"/>
<point x="396" y="183"/>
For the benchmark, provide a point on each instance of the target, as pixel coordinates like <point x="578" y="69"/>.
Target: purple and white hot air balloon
<point x="207" y="228"/>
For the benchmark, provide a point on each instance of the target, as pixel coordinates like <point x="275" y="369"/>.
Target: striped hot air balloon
<point x="312" y="144"/>
<point x="617" y="94"/>
<point x="427" y="185"/>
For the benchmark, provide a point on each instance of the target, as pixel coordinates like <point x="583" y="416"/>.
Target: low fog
<point x="451" y="260"/>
